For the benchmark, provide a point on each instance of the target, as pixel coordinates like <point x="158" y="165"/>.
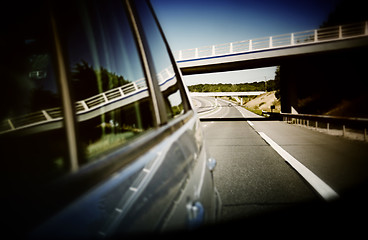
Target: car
<point x="98" y="135"/>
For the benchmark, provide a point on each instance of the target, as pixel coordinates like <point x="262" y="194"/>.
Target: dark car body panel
<point x="143" y="169"/>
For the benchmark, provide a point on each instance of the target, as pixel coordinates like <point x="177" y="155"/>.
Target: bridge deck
<point x="270" y="50"/>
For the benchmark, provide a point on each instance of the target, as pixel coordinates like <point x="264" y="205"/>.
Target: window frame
<point x="146" y="52"/>
<point x="82" y="178"/>
<point x="179" y="76"/>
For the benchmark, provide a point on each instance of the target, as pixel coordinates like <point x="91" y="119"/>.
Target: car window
<point x="32" y="136"/>
<point x="162" y="65"/>
<point x="113" y="105"/>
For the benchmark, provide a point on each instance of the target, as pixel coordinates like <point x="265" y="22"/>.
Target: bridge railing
<point x="290" y="39"/>
<point x="55" y="114"/>
<point x="86" y="105"/>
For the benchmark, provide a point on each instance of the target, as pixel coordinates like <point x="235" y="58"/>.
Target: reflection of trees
<point x="43" y="99"/>
<point x="84" y="81"/>
<point x="108" y="130"/>
<point x="88" y="82"/>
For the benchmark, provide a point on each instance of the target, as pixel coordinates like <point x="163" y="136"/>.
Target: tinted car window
<point x="162" y="65"/>
<point x="32" y="136"/>
<point x="34" y="150"/>
<point x="112" y="100"/>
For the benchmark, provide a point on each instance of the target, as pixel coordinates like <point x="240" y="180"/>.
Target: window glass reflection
<point x="32" y="137"/>
<point x="112" y="100"/>
<point x="165" y="74"/>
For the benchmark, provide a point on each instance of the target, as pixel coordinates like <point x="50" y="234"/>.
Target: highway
<point x="271" y="173"/>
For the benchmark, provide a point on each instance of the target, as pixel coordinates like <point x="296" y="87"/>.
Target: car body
<point x="98" y="131"/>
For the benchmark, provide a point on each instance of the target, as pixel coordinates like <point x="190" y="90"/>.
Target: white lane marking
<point x="211" y="112"/>
<point x="215" y="110"/>
<point x="210" y="105"/>
<point x="250" y="123"/>
<point x="318" y="184"/>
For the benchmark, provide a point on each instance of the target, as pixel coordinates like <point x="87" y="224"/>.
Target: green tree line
<point x="270" y="85"/>
<point x="88" y="81"/>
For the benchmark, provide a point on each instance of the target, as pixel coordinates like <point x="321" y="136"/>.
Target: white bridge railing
<point x="305" y="37"/>
<point x="86" y="105"/>
<point x="55" y="114"/>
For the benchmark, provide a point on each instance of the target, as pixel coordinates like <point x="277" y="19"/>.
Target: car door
<point x="108" y="142"/>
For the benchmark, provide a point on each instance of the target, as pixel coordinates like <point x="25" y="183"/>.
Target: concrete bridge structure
<point x="332" y="46"/>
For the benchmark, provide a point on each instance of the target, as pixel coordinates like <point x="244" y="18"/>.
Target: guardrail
<point x="85" y="105"/>
<point x="329" y="123"/>
<point x="284" y="40"/>
<point x="55" y="114"/>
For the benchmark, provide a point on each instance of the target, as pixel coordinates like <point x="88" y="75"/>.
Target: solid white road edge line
<point x="326" y="192"/>
<point x="250" y="123"/>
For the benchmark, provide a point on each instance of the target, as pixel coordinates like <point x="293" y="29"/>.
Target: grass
<point x="256" y="111"/>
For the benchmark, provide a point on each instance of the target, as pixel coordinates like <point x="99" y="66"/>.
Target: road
<point x="275" y="173"/>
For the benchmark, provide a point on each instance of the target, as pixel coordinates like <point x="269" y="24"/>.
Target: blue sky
<point x="195" y="23"/>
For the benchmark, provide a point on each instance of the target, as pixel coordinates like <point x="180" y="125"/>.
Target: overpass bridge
<point x="272" y="50"/>
<point x="310" y="61"/>
<point x="235" y="95"/>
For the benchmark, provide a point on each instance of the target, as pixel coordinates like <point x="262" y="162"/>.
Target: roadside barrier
<point x="346" y="125"/>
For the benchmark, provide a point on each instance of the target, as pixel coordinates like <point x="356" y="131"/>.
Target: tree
<point x="88" y="82"/>
<point x="84" y="81"/>
<point x="347" y="11"/>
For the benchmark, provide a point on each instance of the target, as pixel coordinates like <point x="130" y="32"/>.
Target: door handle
<point x="195" y="214"/>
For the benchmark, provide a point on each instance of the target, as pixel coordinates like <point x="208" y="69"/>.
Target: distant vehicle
<point x="98" y="136"/>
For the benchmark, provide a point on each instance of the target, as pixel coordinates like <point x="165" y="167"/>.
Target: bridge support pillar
<point x="288" y="91"/>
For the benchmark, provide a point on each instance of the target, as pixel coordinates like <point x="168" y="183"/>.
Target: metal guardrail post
<point x="121" y="91"/>
<point x="135" y="86"/>
<point x="315" y="35"/>
<point x="11" y="124"/>
<point x="47" y="116"/>
<point x="270" y="45"/>
<point x="104" y="97"/>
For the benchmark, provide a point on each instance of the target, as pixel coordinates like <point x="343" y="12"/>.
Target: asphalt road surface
<point x="271" y="173"/>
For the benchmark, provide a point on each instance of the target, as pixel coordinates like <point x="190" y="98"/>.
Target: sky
<point x="195" y="23"/>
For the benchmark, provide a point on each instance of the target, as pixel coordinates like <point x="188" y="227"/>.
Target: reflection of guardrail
<point x="114" y="94"/>
<point x="329" y="123"/>
<point x="305" y="37"/>
<point x="86" y="105"/>
<point x="55" y="114"/>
